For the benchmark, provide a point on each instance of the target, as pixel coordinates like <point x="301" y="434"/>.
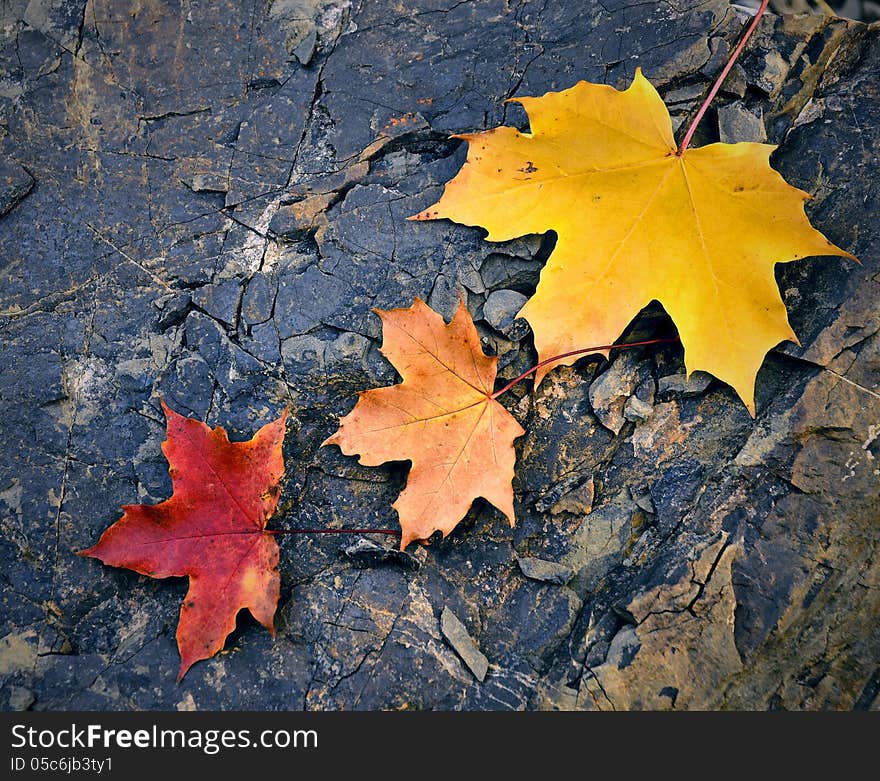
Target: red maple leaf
<point x="212" y="530"/>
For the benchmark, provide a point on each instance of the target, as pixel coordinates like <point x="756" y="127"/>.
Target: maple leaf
<point x="442" y="417"/>
<point x="700" y="232"/>
<point x="212" y="529"/>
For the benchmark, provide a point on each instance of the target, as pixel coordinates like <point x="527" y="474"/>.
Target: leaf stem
<point x="582" y="351"/>
<point x="331" y="531"/>
<point x="721" y="77"/>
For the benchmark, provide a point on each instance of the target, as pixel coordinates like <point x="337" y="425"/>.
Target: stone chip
<point x="463" y="644"/>
<point x="543" y="570"/>
<point x="736" y="123"/>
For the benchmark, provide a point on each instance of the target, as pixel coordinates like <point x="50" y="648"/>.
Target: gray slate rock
<point x="642" y="498"/>
<point x="636" y="410"/>
<point x="610" y="391"/>
<point x="640" y="405"/>
<point x="736" y="123"/>
<point x="501" y="308"/>
<point x="208" y="183"/>
<point x="463" y="644"/>
<point x="679" y="385"/>
<point x="506" y="271"/>
<point x="256" y="304"/>
<point x="172" y="310"/>
<point x="578" y="501"/>
<point x="543" y="570"/>
<point x="305" y="49"/>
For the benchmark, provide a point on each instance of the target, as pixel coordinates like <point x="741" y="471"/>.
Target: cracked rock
<point x="256" y="304"/>
<point x="642" y="498"/>
<point x="220" y="300"/>
<point x="20" y="698"/>
<point x="771" y="77"/>
<point x="149" y="227"/>
<point x="640" y="405"/>
<point x="298" y="219"/>
<point x="173" y="310"/>
<point x="208" y="183"/>
<point x="684" y="94"/>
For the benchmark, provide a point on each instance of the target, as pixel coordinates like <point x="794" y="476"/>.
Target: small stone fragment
<point x="263" y="83"/>
<point x="684" y="94"/>
<point x="364" y="554"/>
<point x="543" y="570"/>
<point x="640" y="405"/>
<point x="297" y="219"/>
<point x="262" y="342"/>
<point x="813" y="109"/>
<point x="577" y="502"/>
<point x="463" y="644"/>
<point x="720" y="52"/>
<point x="501" y="308"/>
<point x="420" y="554"/>
<point x="305" y="49"/>
<point x="499" y="271"/>
<point x="256" y="304"/>
<point x="735" y="83"/>
<point x="643" y="500"/>
<point x="636" y="410"/>
<point x="209" y="183"/>
<point x="173" y="310"/>
<point x="611" y="390"/>
<point x="445" y="296"/>
<point x="737" y="123"/>
<point x="678" y="385"/>
<point x="775" y="71"/>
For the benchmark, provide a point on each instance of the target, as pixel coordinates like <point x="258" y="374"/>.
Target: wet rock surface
<point x="214" y="200"/>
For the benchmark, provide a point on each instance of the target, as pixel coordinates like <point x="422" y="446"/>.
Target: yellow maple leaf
<point x="443" y="418"/>
<point x="699" y="231"/>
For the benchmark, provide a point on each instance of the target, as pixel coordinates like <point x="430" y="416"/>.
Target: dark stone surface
<point x="15" y="184"/>
<point x="218" y="201"/>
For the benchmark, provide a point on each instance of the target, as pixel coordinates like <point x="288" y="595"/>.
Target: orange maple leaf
<point x="699" y="231"/>
<point x="443" y="418"/>
<point x="212" y="530"/>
